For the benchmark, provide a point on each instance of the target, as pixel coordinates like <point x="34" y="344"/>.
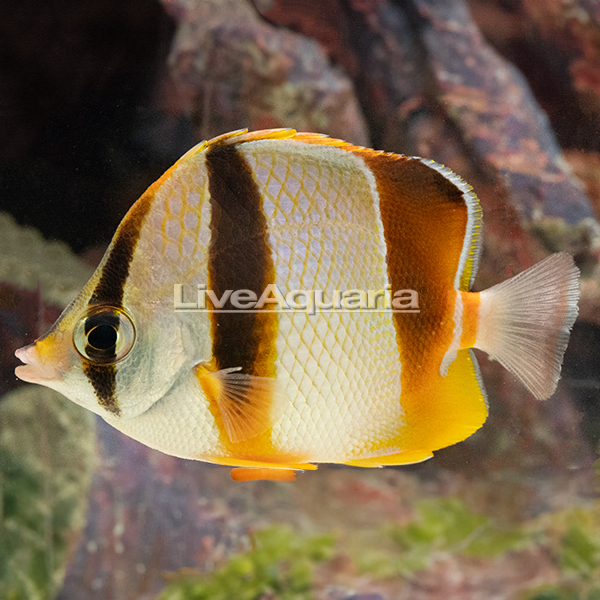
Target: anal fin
<point x="248" y="405"/>
<point x="402" y="458"/>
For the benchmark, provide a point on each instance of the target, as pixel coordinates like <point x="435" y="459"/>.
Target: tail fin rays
<point x="525" y="322"/>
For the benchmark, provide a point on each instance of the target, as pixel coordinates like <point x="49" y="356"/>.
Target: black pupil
<point x="103" y="337"/>
<point x="102" y="331"/>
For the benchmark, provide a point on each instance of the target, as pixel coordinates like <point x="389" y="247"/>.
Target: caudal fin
<point x="525" y="322"/>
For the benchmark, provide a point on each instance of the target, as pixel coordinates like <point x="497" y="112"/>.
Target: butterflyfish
<point x="280" y="299"/>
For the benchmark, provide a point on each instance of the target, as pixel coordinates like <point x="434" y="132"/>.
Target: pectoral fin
<point x="248" y="405"/>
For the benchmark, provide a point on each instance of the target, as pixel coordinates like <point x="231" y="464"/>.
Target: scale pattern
<point x="340" y="369"/>
<point x="175" y="236"/>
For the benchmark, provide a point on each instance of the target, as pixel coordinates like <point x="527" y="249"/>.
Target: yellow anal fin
<point x="247" y="404"/>
<point x="455" y="407"/>
<point x="402" y="458"/>
<point x="262" y="473"/>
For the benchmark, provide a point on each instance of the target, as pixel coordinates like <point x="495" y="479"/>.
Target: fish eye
<point x="104" y="335"/>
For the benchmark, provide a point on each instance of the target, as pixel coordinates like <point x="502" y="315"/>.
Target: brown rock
<point x="557" y="47"/>
<point x="230" y="70"/>
<point x="586" y="166"/>
<point x="149" y="514"/>
<point x="431" y="85"/>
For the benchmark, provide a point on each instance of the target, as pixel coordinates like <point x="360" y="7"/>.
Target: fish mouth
<point x="33" y="371"/>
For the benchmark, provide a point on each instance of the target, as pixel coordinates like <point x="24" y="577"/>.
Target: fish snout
<point x="34" y="370"/>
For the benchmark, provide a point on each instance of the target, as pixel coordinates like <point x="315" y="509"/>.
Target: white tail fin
<point x="525" y="322"/>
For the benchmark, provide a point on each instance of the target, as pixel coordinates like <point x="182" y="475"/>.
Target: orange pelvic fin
<point x="262" y="473"/>
<point x="402" y="458"/>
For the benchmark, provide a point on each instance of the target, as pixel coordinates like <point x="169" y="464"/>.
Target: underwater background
<point x="98" y="99"/>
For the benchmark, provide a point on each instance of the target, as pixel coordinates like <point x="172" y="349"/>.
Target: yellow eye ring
<point x="104" y="335"/>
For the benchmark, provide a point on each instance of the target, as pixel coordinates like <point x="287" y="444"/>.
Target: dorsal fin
<point x="243" y="135"/>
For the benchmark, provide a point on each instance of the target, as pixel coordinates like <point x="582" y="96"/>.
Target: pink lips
<point x="33" y="371"/>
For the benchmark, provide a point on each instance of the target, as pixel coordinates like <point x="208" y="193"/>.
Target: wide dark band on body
<point x="239" y="258"/>
<point x="424" y="217"/>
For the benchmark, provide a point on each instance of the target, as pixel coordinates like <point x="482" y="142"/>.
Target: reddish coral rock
<point x="230" y="70"/>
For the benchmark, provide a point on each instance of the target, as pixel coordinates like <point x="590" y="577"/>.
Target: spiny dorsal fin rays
<point x="248" y="405"/>
<point x="242" y="136"/>
<point x="237" y="137"/>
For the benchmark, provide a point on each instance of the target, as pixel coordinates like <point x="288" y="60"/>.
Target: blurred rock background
<point x="98" y="99"/>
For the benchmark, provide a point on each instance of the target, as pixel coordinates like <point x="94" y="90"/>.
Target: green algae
<point x="279" y="564"/>
<point x="47" y="449"/>
<point x="573" y="538"/>
<point x="441" y="527"/>
<point x="448" y="525"/>
<point x="565" y="592"/>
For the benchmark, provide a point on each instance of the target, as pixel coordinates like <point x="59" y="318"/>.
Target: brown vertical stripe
<point x="239" y="258"/>
<point x="103" y="380"/>
<point x="110" y="290"/>
<point x="424" y="218"/>
<point x="111" y="286"/>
